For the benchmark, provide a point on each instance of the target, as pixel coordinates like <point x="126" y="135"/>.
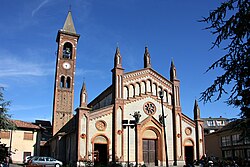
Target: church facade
<point x="125" y="122"/>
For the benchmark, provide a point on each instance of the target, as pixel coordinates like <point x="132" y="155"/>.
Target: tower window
<point x="67" y="51"/>
<point x="68" y="82"/>
<point x="62" y="85"/>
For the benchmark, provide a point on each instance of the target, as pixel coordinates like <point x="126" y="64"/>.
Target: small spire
<point x="69" y="24"/>
<point x="173" y="74"/>
<point x="147" y="59"/>
<point x="83" y="96"/>
<point x="118" y="58"/>
<point x="196" y="110"/>
<point x="117" y="52"/>
<point x="172" y="62"/>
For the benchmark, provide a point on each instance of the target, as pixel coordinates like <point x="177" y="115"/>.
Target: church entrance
<point x="150" y="152"/>
<point x="189" y="154"/>
<point x="100" y="150"/>
<point x="189" y="151"/>
<point x="100" y="154"/>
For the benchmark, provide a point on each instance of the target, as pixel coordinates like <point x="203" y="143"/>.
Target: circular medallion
<point x="66" y="65"/>
<point x="100" y="125"/>
<point x="149" y="108"/>
<point x="188" y="131"/>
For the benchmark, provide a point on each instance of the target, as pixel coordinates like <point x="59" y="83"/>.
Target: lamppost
<point x="163" y="124"/>
<point x="126" y="123"/>
<point x="137" y="116"/>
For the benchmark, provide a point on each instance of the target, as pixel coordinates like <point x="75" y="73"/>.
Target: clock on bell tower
<point x="65" y="73"/>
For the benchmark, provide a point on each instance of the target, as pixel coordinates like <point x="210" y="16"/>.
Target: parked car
<point x="46" y="161"/>
<point x="26" y="159"/>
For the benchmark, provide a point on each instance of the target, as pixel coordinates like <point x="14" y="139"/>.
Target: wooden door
<point x="149" y="152"/>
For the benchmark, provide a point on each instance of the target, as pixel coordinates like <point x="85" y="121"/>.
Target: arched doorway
<point x="150" y="148"/>
<point x="189" y="151"/>
<point x="100" y="151"/>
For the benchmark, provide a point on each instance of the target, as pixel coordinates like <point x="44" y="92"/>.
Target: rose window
<point x="100" y="125"/>
<point x="149" y="108"/>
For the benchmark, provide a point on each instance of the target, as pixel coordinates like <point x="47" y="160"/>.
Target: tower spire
<point x="69" y="24"/>
<point x="173" y="74"/>
<point x="83" y="96"/>
<point x="147" y="59"/>
<point x="196" y="110"/>
<point x="118" y="58"/>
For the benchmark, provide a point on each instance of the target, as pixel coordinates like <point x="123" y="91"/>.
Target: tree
<point x="5" y="122"/>
<point x="230" y="22"/>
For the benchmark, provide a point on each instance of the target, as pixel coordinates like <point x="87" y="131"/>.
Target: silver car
<point x="46" y="161"/>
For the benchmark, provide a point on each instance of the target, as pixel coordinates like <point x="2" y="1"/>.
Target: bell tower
<point x="64" y="76"/>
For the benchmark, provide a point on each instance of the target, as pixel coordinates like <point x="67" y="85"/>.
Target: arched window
<point x="68" y="82"/>
<point x="149" y="86"/>
<point x="131" y="91"/>
<point x="137" y="89"/>
<point x="125" y="92"/>
<point x="143" y="87"/>
<point x="62" y="82"/>
<point x="166" y="96"/>
<point x="67" y="50"/>
<point x="154" y="89"/>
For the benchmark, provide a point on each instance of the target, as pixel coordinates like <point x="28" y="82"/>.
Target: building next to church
<point x="96" y="133"/>
<point x="23" y="141"/>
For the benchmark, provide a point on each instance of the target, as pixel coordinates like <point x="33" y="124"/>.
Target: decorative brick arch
<point x="108" y="141"/>
<point x="158" y="138"/>
<point x="188" y="142"/>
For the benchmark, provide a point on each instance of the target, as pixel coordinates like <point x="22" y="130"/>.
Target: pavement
<point x="20" y="165"/>
<point x="15" y="165"/>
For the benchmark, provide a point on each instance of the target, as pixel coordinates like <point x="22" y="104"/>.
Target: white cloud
<point x="13" y="67"/>
<point x="3" y="85"/>
<point x="39" y="7"/>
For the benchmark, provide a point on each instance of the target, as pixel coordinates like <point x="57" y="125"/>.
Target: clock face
<point x="66" y="65"/>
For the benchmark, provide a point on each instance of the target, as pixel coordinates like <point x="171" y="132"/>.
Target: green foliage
<point x="230" y="23"/>
<point x="5" y="122"/>
<point x="3" y="152"/>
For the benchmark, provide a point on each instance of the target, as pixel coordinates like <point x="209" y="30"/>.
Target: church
<point x="129" y="122"/>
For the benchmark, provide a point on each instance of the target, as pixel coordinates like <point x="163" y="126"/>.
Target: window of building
<point x="236" y="140"/>
<point x="68" y="82"/>
<point x="210" y="123"/>
<point x="225" y="141"/>
<point x="5" y="134"/>
<point x="62" y="82"/>
<point x="220" y="123"/>
<point x="246" y="140"/>
<point x="28" y="136"/>
<point x="248" y="153"/>
<point x="67" y="51"/>
<point x="227" y="153"/>
<point x="239" y="153"/>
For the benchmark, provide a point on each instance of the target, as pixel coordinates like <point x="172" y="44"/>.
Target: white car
<point x="46" y="161"/>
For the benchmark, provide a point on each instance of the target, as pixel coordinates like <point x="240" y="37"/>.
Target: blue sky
<point x="169" y="28"/>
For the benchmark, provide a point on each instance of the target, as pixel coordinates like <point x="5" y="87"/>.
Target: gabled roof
<point x="26" y="125"/>
<point x="148" y="71"/>
<point x="101" y="96"/>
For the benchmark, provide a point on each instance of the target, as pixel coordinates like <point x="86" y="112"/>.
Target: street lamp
<point x="137" y="116"/>
<point x="161" y="93"/>
<point x="126" y="123"/>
